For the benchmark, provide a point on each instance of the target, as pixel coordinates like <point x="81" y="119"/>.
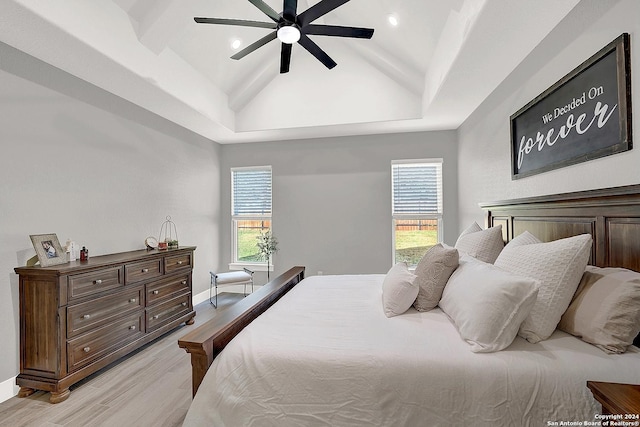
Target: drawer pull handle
<point x="86" y="316"/>
<point x="87" y="349"/>
<point x="145" y="270"/>
<point x="155" y="317"/>
<point x="98" y="282"/>
<point x="132" y="327"/>
<point x="180" y="262"/>
<point x="184" y="282"/>
<point x="132" y="300"/>
<point x="184" y="304"/>
<point x="156" y="292"/>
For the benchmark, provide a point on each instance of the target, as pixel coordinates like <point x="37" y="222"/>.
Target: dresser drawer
<point x="80" y="285"/>
<point x="165" y="312"/>
<point x="177" y="262"/>
<point x="164" y="288"/>
<point x="82" y="317"/>
<point x="140" y="271"/>
<point x="103" y="340"/>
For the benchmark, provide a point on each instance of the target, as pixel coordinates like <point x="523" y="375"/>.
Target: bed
<point x="322" y="352"/>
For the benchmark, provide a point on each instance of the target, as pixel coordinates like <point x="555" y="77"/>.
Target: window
<point x="250" y="212"/>
<point x="416" y="208"/>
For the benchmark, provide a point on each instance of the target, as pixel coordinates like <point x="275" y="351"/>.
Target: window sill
<point x="250" y="266"/>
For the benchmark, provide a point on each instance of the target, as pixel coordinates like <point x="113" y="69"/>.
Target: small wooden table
<point x="616" y="398"/>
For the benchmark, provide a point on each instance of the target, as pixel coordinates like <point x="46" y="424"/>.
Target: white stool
<point x="228" y="279"/>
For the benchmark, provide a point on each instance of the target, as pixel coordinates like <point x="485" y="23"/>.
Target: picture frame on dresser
<point x="48" y="249"/>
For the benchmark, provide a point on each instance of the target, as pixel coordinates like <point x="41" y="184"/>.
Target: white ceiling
<point x="430" y="72"/>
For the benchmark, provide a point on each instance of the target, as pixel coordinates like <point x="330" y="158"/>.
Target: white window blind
<point x="251" y="191"/>
<point x="417" y="188"/>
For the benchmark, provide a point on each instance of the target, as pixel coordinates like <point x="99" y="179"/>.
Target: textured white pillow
<point x="558" y="266"/>
<point x="398" y="290"/>
<point x="470" y="229"/>
<point x="524" y="238"/>
<point x="487" y="304"/>
<point x="484" y="245"/>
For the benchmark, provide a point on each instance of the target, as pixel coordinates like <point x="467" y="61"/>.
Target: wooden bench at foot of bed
<point x="206" y="341"/>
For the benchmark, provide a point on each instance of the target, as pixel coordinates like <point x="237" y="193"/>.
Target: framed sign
<point x="584" y="116"/>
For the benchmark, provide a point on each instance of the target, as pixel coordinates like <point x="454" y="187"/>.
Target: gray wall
<point x="82" y="171"/>
<point x="484" y="153"/>
<point x="332" y="197"/>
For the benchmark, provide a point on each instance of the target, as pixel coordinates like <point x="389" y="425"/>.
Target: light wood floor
<point x="151" y="387"/>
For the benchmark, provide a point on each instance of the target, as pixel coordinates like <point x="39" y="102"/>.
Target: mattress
<point x="326" y="355"/>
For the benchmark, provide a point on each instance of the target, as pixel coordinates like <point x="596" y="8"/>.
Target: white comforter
<point x="326" y="355"/>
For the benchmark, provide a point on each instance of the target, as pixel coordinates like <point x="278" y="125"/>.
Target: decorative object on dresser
<point x="617" y="399"/>
<point x="78" y="318"/>
<point x="48" y="249"/>
<point x="151" y="242"/>
<point x="168" y="237"/>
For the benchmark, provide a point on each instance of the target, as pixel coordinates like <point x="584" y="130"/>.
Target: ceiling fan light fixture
<point x="235" y="44"/>
<point x="393" y="20"/>
<point x="289" y="34"/>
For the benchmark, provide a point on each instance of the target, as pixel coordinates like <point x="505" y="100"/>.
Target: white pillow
<point x="398" y="290"/>
<point x="558" y="265"/>
<point x="484" y="245"/>
<point x="487" y="304"/>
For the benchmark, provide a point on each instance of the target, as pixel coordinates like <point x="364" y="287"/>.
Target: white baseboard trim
<point x="8" y="389"/>
<point x="201" y="297"/>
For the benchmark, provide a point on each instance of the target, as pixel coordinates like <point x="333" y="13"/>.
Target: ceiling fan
<point x="291" y="27"/>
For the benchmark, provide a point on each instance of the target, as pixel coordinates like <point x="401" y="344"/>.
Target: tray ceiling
<point x="429" y="72"/>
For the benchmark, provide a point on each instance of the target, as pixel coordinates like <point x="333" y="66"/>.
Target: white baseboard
<point x="201" y="297"/>
<point x="8" y="389"/>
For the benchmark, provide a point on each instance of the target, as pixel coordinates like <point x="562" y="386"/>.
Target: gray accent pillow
<point x="605" y="310"/>
<point x="484" y="245"/>
<point x="433" y="272"/>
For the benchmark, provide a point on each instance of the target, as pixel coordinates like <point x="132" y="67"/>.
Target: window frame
<point x="236" y="264"/>
<point x="438" y="216"/>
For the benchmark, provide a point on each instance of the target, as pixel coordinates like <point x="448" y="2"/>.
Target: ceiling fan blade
<point x="289" y="9"/>
<point x="315" y="50"/>
<point x="253" y="46"/>
<point x="285" y="57"/>
<point x="240" y="22"/>
<point x="318" y="10"/>
<point x="266" y="9"/>
<point x="338" y="31"/>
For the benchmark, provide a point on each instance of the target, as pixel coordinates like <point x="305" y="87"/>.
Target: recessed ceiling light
<point x="235" y="44"/>
<point x="393" y="20"/>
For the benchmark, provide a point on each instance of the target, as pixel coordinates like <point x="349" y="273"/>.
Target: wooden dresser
<point x="77" y="318"/>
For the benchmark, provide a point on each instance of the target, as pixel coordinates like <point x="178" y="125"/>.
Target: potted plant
<point x="267" y="246"/>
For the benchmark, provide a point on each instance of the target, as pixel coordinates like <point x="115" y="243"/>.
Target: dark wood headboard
<point x="611" y="216"/>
